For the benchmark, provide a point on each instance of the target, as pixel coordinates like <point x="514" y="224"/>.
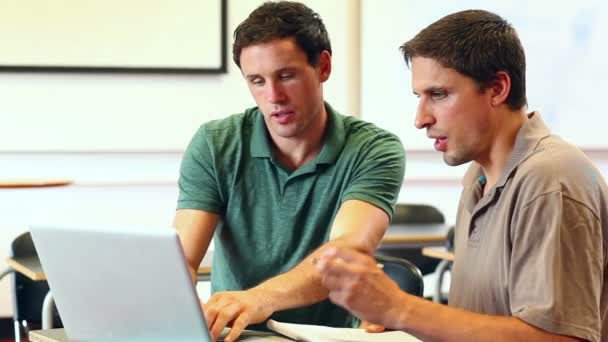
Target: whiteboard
<point x="565" y="45"/>
<point x="113" y="35"/>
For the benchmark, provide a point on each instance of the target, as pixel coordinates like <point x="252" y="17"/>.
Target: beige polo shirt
<point x="535" y="246"/>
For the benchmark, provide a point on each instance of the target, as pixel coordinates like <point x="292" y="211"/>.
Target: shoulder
<point x="557" y="166"/>
<point x="362" y="133"/>
<point x="222" y="131"/>
<point x="231" y="124"/>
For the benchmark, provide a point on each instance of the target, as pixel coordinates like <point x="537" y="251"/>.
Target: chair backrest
<point x="404" y="273"/>
<point x="28" y="294"/>
<point x="416" y="213"/>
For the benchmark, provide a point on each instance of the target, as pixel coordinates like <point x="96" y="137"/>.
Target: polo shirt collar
<point x="527" y="140"/>
<point x="334" y="138"/>
<point x="333" y="141"/>
<point x="531" y="133"/>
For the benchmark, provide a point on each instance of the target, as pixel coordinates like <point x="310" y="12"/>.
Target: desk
<point x="438" y="253"/>
<point x="58" y="335"/>
<point x="30" y="267"/>
<point x="414" y="235"/>
<point x="33" y="183"/>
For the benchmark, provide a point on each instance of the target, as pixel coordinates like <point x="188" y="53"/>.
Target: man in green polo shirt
<point x="274" y="184"/>
<point x="531" y="236"/>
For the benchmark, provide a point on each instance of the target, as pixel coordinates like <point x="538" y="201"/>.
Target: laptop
<point x="120" y="283"/>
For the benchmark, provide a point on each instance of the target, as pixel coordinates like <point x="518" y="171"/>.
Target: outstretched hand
<point x="356" y="283"/>
<point x="235" y="309"/>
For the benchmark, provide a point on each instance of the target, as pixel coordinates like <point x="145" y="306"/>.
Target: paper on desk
<point x="317" y="333"/>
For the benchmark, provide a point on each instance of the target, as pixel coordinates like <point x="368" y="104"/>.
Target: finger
<point x="205" y="309"/>
<point x="237" y="327"/>
<point x="374" y="328"/>
<point x="364" y="324"/>
<point x="225" y="316"/>
<point x="351" y="256"/>
<point x="212" y="308"/>
<point x="211" y="313"/>
<point x="338" y="297"/>
<point x="337" y="267"/>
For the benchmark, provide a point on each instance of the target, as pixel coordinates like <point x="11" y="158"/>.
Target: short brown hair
<point x="283" y="19"/>
<point x="475" y="43"/>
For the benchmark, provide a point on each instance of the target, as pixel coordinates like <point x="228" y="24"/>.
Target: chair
<point x="443" y="268"/>
<point x="404" y="273"/>
<point x="28" y="295"/>
<point x="415" y="214"/>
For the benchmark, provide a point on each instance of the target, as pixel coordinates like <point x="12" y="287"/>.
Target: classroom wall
<point x="120" y="137"/>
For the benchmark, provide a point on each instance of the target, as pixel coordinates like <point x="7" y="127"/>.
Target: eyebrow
<point x="431" y="90"/>
<point x="284" y="69"/>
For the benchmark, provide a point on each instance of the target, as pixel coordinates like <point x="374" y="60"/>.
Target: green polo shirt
<point x="272" y="217"/>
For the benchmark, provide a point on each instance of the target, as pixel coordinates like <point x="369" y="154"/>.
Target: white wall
<point x="564" y="43"/>
<point x="134" y="112"/>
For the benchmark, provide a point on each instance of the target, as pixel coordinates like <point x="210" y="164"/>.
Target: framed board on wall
<point x="135" y="36"/>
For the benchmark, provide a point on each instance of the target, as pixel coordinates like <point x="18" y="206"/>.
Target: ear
<point x="324" y="65"/>
<point x="500" y="88"/>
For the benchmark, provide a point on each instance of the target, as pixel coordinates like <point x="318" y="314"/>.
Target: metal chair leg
<point x="17" y="327"/>
<point x="5" y="272"/>
<point x="443" y="266"/>
<point x="47" y="311"/>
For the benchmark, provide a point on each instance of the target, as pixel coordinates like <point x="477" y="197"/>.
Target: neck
<point x="503" y="136"/>
<point x="294" y="152"/>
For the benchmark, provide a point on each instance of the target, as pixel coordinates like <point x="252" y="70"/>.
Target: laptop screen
<point x="120" y="283"/>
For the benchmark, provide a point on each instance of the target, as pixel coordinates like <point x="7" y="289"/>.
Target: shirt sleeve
<point x="379" y="174"/>
<point x="198" y="184"/>
<point x="557" y="267"/>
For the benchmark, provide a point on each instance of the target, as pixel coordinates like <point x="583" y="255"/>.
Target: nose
<point x="424" y="117"/>
<point x="275" y="93"/>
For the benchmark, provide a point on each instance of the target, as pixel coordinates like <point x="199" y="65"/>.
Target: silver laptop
<point x="117" y="283"/>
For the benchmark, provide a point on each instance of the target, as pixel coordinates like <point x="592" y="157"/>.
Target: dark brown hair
<point x="283" y="19"/>
<point x="477" y="44"/>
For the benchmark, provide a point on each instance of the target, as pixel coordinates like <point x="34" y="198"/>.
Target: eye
<point x="257" y="81"/>
<point x="438" y="95"/>
<point x="286" y="76"/>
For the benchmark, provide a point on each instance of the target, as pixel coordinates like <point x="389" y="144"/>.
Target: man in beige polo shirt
<point x="532" y="228"/>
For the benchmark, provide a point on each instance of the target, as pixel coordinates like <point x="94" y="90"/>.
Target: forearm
<point x="435" y="322"/>
<point x="195" y="229"/>
<point x="300" y="286"/>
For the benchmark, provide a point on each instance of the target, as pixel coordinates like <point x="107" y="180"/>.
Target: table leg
<point x="47" y="311"/>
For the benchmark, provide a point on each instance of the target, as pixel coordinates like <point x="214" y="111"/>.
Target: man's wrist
<point x="265" y="297"/>
<point x="401" y="311"/>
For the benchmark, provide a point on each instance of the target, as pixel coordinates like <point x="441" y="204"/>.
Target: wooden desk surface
<point x="33" y="183"/>
<point x="28" y="266"/>
<point x="415" y="235"/>
<point x="50" y="335"/>
<point x="438" y="253"/>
